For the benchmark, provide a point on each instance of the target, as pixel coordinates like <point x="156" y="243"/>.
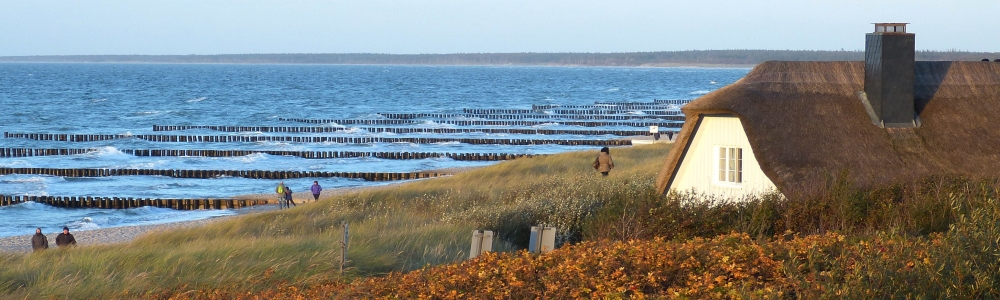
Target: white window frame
<point x="728" y="169"/>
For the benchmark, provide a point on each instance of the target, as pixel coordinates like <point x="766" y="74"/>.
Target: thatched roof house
<point x="807" y="121"/>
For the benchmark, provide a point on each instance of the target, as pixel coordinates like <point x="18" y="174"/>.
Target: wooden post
<point x="343" y="250"/>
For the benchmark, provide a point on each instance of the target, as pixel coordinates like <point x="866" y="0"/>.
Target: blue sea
<point x="132" y="98"/>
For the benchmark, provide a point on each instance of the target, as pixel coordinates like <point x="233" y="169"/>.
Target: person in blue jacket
<point x="316" y="189"/>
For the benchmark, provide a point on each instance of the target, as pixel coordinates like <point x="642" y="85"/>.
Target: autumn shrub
<point x="958" y="264"/>
<point x="918" y="207"/>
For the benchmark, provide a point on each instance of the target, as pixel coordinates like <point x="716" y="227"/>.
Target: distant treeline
<point x="665" y="58"/>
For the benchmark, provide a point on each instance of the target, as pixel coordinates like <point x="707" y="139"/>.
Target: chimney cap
<point x="890" y="28"/>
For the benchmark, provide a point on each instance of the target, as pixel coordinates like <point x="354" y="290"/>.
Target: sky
<point x="182" y="27"/>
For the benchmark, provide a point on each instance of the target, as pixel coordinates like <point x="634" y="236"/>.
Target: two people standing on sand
<point x="40" y="242"/>
<point x="603" y="162"/>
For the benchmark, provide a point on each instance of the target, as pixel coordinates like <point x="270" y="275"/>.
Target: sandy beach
<point x="114" y="235"/>
<point x="124" y="234"/>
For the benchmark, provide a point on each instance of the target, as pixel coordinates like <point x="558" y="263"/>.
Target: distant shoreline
<point x="663" y="65"/>
<point x="691" y="58"/>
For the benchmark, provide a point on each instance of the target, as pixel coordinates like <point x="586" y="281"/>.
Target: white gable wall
<point x="699" y="171"/>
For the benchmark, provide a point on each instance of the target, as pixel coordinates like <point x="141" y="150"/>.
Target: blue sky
<point x="45" y="27"/>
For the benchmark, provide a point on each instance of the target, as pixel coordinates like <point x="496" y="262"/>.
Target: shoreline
<point x="120" y="234"/>
<point x="21" y="244"/>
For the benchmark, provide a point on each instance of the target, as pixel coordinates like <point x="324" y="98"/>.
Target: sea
<point x="129" y="99"/>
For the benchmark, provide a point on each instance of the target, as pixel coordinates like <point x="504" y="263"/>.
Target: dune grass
<point x="395" y="228"/>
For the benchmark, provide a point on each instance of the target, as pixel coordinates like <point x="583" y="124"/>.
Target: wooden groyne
<point x="129" y="202"/>
<point x="539" y="115"/>
<point x="671" y="101"/>
<point x="30" y="152"/>
<point x="401" y="130"/>
<point x="308" y="139"/>
<point x="655" y="102"/>
<point x="493" y="122"/>
<point x="252" y="174"/>
<point x="662" y="112"/>
<point x="643" y="105"/>
<point x="573" y="117"/>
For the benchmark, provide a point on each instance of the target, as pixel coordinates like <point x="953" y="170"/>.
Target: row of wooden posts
<point x="655" y="101"/>
<point x="642" y="105"/>
<point x="402" y="130"/>
<point x="560" y="118"/>
<point x="307" y="139"/>
<point x="29" y="152"/>
<point x="253" y="174"/>
<point x="595" y="111"/>
<point x="661" y="101"/>
<point x="494" y="122"/>
<point x="436" y="117"/>
<point x="123" y="202"/>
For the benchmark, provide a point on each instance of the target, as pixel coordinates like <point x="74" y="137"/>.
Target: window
<point x="730" y="165"/>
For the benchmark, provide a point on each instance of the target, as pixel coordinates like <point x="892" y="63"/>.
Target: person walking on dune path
<point x="603" y="162"/>
<point x="65" y="238"/>
<point x="316" y="189"/>
<point x="39" y="241"/>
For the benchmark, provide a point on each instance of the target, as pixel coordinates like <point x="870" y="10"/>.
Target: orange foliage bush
<point x="728" y="266"/>
<point x="721" y="267"/>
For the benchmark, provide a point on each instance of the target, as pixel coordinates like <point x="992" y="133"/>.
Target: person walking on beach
<point x="281" y="193"/>
<point x="316" y="189"/>
<point x="288" y="198"/>
<point x="603" y="162"/>
<point x="39" y="241"/>
<point x="65" y="238"/>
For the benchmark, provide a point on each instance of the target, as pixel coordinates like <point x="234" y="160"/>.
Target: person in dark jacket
<point x="603" y="162"/>
<point x="65" y="238"/>
<point x="39" y="241"/>
<point x="288" y="197"/>
<point x="316" y="189"/>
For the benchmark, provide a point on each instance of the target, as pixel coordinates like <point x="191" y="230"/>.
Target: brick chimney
<point x="889" y="75"/>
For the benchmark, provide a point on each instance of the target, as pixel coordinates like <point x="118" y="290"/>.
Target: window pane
<point x="722" y="164"/>
<point x="739" y="164"/>
<point x="739" y="169"/>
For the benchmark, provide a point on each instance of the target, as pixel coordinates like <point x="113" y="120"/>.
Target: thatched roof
<point x="805" y="121"/>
